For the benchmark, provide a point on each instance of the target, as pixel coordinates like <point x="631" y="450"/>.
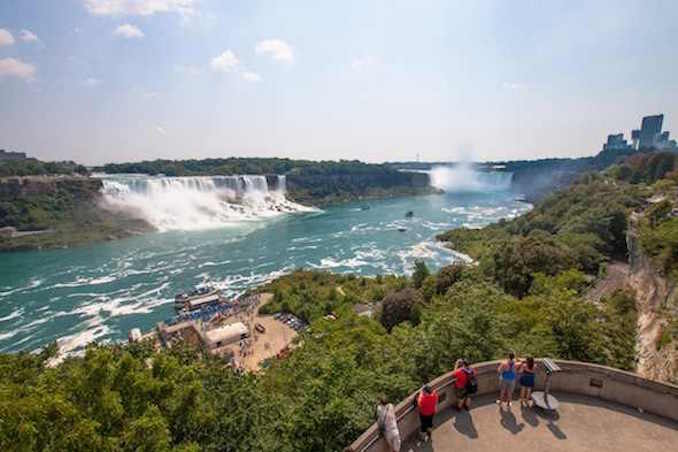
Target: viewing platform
<point x="601" y="409"/>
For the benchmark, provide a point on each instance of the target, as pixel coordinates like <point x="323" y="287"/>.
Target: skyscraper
<point x="635" y="136"/>
<point x="650" y="131"/>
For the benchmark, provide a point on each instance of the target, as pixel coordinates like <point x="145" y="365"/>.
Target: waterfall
<point x="465" y="178"/>
<point x="200" y="202"/>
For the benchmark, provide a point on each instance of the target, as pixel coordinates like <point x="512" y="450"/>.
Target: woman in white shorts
<point x="388" y="424"/>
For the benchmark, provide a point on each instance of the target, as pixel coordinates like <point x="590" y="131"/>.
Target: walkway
<point x="582" y="424"/>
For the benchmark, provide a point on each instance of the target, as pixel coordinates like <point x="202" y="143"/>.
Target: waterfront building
<point x="8" y="155"/>
<point x="226" y="335"/>
<point x="616" y="142"/>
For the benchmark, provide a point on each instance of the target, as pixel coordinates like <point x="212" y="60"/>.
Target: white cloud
<point x="10" y="67"/>
<point x="92" y="82"/>
<point x="28" y="36"/>
<point x="151" y="94"/>
<point x="160" y="130"/>
<point x="128" y="31"/>
<point x="226" y="62"/>
<point x="251" y="76"/>
<point x="363" y="63"/>
<point x="278" y="49"/>
<point x="139" y="7"/>
<point x="6" y="38"/>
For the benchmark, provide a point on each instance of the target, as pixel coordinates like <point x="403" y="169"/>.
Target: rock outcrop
<point x="656" y="299"/>
<point x="81" y="187"/>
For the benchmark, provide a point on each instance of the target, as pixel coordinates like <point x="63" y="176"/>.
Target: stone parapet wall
<point x="576" y="378"/>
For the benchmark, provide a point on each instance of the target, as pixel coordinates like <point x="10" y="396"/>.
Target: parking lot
<point x="291" y="320"/>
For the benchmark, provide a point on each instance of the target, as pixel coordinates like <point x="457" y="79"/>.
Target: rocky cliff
<point x="81" y="187"/>
<point x="57" y="211"/>
<point x="656" y="303"/>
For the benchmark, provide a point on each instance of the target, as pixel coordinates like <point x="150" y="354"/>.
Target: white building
<point x="225" y="335"/>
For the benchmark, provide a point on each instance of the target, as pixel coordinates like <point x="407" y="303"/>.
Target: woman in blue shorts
<point x="527" y="378"/>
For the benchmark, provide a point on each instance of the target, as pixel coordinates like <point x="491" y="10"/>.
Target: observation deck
<point x="601" y="409"/>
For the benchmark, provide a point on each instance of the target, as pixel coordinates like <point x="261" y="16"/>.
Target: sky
<point x="123" y="80"/>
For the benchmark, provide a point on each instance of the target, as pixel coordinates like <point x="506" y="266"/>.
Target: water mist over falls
<point x="196" y="203"/>
<point x="463" y="177"/>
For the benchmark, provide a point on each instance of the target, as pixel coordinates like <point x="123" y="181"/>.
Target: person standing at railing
<point x="427" y="404"/>
<point x="526" y="380"/>
<point x="507" y="379"/>
<point x="464" y="384"/>
<point x="388" y="424"/>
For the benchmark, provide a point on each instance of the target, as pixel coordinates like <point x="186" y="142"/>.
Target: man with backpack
<point x="465" y="384"/>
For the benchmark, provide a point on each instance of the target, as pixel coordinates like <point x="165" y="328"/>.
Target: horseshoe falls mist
<point x="236" y="231"/>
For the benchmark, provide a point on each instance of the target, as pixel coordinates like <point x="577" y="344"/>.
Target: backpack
<point x="471" y="384"/>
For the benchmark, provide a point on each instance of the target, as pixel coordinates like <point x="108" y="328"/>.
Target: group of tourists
<point x="509" y="371"/>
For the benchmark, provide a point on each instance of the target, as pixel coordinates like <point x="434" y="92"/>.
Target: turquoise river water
<point x="101" y="291"/>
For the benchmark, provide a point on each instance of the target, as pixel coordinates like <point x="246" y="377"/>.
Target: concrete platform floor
<point x="581" y="424"/>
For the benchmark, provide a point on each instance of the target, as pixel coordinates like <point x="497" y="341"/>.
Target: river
<point x="100" y="291"/>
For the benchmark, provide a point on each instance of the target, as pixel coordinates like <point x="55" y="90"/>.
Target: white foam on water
<point x="12" y="315"/>
<point x="77" y="341"/>
<point x="32" y="284"/>
<point x="214" y="264"/>
<point x="430" y="251"/>
<point x="24" y="329"/>
<point x="85" y="281"/>
<point x="8" y="334"/>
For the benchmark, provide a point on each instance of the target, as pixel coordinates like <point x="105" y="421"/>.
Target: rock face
<point x="40" y="212"/>
<point x="655" y="295"/>
<point x="82" y="188"/>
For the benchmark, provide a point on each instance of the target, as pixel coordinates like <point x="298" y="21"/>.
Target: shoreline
<point x="57" y="238"/>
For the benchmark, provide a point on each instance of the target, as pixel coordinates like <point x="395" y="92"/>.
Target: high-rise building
<point x="616" y="142"/>
<point x="635" y="136"/>
<point x="650" y="131"/>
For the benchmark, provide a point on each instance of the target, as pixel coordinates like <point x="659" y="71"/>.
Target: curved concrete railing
<point x="590" y="380"/>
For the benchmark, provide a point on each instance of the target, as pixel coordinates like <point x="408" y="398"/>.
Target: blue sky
<point x="117" y="80"/>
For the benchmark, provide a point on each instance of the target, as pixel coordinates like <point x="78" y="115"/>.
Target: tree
<point x="400" y="306"/>
<point x="149" y="433"/>
<point x="420" y="273"/>
<point x="447" y="276"/>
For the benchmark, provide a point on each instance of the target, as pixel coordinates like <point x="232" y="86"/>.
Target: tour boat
<point x="201" y="296"/>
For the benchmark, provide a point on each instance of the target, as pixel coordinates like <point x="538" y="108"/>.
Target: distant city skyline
<point x="101" y="81"/>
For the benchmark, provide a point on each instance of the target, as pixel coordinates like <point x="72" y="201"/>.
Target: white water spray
<point x="463" y="177"/>
<point x="196" y="203"/>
